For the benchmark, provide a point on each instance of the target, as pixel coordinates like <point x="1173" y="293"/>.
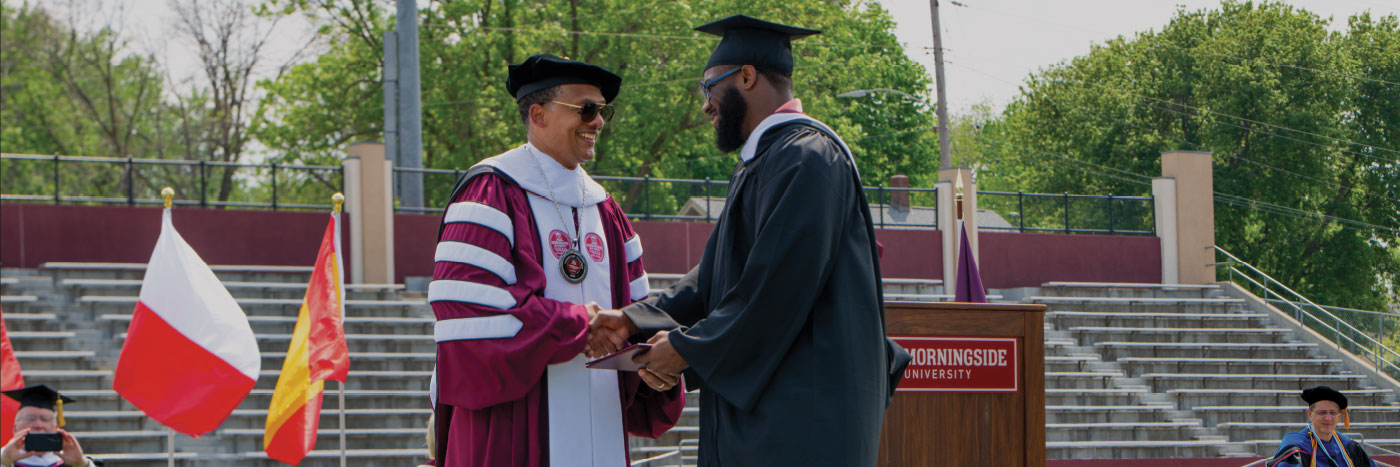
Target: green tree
<point x="1295" y="116"/>
<point x="317" y="108"/>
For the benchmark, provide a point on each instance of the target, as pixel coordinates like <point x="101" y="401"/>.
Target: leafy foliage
<point x="1294" y="115"/>
<point x="315" y="109"/>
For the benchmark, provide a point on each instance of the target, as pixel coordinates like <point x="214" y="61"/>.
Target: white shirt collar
<point x="751" y="145"/>
<point x="530" y="167"/>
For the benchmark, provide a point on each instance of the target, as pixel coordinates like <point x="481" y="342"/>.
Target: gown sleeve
<point x="495" y="330"/>
<point x="677" y="306"/>
<point x="738" y="346"/>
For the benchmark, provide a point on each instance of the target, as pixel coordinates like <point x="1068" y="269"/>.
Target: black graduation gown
<point x="783" y="320"/>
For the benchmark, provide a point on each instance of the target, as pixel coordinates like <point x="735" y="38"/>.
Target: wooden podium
<point x="975" y="392"/>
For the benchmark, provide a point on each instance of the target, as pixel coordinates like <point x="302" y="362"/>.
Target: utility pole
<point x="941" y="108"/>
<point x="410" y="125"/>
<point x="391" y="106"/>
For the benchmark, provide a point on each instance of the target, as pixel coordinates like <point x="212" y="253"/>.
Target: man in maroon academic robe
<point x="528" y="244"/>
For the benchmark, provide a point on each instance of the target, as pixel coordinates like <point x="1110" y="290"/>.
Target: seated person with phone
<point x="38" y="441"/>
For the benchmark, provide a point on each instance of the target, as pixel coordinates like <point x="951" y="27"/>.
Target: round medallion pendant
<point x="572" y="266"/>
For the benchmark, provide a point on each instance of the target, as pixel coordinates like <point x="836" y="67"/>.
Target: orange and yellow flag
<point x="317" y="353"/>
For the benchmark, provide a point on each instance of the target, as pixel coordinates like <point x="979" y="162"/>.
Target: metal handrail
<point x="1377" y="358"/>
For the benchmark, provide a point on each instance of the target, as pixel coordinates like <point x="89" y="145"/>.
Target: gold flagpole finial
<point x="167" y="193"/>
<point x="339" y="200"/>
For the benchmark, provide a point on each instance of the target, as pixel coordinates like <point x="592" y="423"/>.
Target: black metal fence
<point x="1069" y="214"/>
<point x="133" y="181"/>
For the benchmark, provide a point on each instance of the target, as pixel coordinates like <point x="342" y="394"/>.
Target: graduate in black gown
<point x="781" y="326"/>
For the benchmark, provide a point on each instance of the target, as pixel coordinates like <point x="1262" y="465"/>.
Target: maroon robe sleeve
<point x="645" y="411"/>
<point x="488" y="266"/>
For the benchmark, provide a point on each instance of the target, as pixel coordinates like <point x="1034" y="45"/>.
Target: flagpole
<point x="337" y="201"/>
<point x="340" y="391"/>
<point x="169" y="193"/>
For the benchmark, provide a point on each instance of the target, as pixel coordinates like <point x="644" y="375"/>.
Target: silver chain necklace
<point x="571" y="264"/>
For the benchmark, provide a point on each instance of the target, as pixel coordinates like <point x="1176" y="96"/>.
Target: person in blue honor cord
<point x="1320" y="444"/>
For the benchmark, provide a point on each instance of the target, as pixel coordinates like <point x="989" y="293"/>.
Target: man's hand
<point x="662" y="366"/>
<point x="10" y="453"/>
<point x="607" y="331"/>
<point x="72" y="454"/>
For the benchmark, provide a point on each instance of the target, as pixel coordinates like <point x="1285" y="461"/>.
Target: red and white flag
<point x="190" y="356"/>
<point x="10" y="378"/>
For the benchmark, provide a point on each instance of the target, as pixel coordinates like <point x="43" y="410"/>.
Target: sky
<point x="992" y="45"/>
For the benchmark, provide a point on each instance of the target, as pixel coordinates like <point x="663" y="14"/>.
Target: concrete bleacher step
<point x="245" y="289"/>
<point x="1129" y="431"/>
<point x="1291" y="414"/>
<point x="283" y="324"/>
<point x="1139" y="365"/>
<point x="1089" y="335"/>
<point x="1118" y="396"/>
<point x="1187" y="448"/>
<point x="1065" y="319"/>
<point x="1082" y="379"/>
<point x="225" y="272"/>
<point x="1242" y="431"/>
<point x="356" y="342"/>
<point x="1187" y="398"/>
<point x="10" y="300"/>
<point x="1129" y="289"/>
<point x="1130" y="413"/>
<point x="1112" y="351"/>
<point x="1162" y="382"/>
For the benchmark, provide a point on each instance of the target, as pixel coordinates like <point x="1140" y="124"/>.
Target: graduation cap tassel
<point x="1346" y="418"/>
<point x="58" y="409"/>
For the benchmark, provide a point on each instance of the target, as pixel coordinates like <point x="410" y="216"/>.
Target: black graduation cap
<point x="43" y="397"/>
<point x="1324" y="393"/>
<point x="752" y="41"/>
<point x="546" y="71"/>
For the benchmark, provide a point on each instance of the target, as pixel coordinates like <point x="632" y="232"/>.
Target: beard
<point x="729" y="127"/>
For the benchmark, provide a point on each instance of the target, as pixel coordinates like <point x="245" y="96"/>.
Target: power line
<point x="1200" y="146"/>
<point x="633" y="35"/>
<point x="1212" y="112"/>
<point x="1152" y="44"/>
<point x="1121" y="91"/>
<point x="1227" y="198"/>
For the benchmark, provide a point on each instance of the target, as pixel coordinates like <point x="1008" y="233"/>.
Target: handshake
<point x="608" y="331"/>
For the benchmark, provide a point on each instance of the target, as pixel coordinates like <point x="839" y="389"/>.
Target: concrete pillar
<point x="947" y="225"/>
<point x="369" y="199"/>
<point x="947" y="219"/>
<point x="1194" y="202"/>
<point x="1164" y="207"/>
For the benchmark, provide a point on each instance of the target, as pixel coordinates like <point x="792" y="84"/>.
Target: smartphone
<point x="43" y="442"/>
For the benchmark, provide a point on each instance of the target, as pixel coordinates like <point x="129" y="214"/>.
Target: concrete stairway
<point x="1146" y="371"/>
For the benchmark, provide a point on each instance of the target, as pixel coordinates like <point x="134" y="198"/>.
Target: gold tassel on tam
<point x="1346" y="418"/>
<point x="58" y="409"/>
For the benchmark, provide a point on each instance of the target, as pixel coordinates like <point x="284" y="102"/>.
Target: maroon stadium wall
<point x="32" y="234"/>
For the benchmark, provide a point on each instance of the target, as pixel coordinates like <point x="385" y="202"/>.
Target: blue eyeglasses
<point x="705" y="85"/>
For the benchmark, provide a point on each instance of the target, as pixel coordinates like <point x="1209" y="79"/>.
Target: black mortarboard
<point x="43" y="397"/>
<point x="1324" y="393"/>
<point x="546" y="71"/>
<point x="752" y="41"/>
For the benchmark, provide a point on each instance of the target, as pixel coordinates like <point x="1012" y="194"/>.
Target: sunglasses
<point x="592" y="110"/>
<point x="705" y="85"/>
